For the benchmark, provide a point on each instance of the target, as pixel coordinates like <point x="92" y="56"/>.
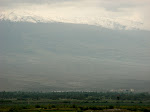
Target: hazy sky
<point x="130" y="13"/>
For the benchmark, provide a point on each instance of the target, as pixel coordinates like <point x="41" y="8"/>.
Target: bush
<point x="37" y="106"/>
<point x="111" y="107"/>
<point x="146" y="110"/>
<point x="53" y="106"/>
<point x="73" y="106"/>
<point x="14" y="109"/>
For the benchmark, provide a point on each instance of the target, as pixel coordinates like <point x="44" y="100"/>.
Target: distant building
<point x="122" y="90"/>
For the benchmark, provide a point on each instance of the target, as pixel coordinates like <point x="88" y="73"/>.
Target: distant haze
<point x="46" y="57"/>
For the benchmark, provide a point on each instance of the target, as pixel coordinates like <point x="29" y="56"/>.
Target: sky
<point x="128" y="13"/>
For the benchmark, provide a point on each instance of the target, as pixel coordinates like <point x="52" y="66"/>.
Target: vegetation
<point x="75" y="95"/>
<point x="74" y="102"/>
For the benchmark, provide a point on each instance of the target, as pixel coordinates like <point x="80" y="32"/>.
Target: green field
<point x="74" y="102"/>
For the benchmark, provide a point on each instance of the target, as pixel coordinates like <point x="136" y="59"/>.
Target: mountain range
<point x="41" y="56"/>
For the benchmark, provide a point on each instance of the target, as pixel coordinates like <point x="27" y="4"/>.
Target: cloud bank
<point x="129" y="14"/>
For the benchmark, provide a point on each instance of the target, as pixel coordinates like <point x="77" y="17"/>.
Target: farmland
<point x="74" y="102"/>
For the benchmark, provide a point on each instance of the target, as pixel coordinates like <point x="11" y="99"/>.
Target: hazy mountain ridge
<point x="57" y="56"/>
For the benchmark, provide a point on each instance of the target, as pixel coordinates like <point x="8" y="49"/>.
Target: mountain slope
<point x="57" y="56"/>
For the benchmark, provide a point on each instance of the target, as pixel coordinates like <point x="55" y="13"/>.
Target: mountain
<point x="60" y="56"/>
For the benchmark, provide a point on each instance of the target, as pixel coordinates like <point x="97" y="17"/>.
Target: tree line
<point x="75" y="95"/>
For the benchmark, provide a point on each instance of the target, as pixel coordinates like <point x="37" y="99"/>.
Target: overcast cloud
<point x="119" y="11"/>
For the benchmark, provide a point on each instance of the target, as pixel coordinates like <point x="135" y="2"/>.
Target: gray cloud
<point x="113" y="5"/>
<point x="116" y="5"/>
<point x="6" y="3"/>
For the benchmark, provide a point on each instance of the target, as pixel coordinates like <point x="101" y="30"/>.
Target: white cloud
<point x="106" y="13"/>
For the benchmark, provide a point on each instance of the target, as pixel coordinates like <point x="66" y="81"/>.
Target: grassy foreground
<point x="74" y="102"/>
